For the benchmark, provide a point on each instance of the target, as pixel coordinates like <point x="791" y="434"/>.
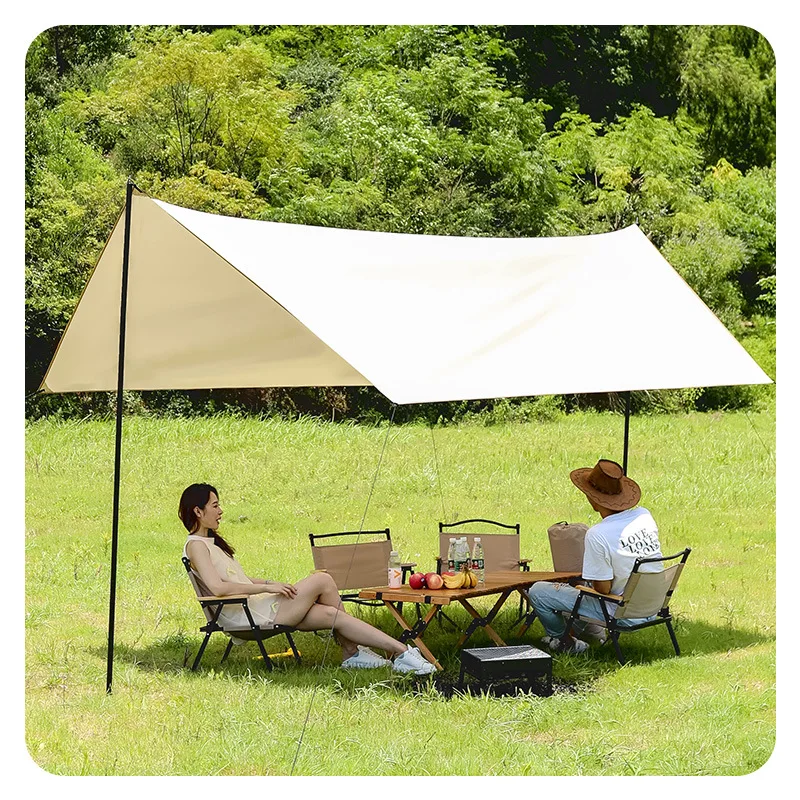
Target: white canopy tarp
<point x="222" y="302"/>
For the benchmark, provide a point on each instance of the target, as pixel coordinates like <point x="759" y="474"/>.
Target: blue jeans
<point x="549" y="599"/>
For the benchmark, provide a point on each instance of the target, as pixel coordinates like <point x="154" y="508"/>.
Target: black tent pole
<point x="118" y="441"/>
<point x="627" y="428"/>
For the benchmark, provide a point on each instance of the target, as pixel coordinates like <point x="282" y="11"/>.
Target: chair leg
<point x="227" y="650"/>
<point x="294" y="649"/>
<point x="200" y="652"/>
<point x="267" y="660"/>
<point x="672" y="636"/>
<point x="614" y="636"/>
<point x="530" y="618"/>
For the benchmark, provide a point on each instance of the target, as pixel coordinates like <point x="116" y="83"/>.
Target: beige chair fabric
<point x="500" y="550"/>
<point x="201" y="590"/>
<point x="354" y="566"/>
<point x="566" y="545"/>
<point x="645" y="593"/>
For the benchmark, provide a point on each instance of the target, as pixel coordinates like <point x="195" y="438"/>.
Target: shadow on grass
<point x="175" y="654"/>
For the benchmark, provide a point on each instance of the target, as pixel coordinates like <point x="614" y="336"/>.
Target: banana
<point x="453" y="581"/>
<point x="473" y="580"/>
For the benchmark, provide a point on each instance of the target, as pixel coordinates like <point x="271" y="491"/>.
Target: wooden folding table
<point x="497" y="583"/>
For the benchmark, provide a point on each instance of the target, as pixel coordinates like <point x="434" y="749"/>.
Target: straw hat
<point x="606" y="485"/>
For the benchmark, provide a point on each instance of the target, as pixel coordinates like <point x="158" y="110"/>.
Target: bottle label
<point x="460" y="564"/>
<point x="477" y="563"/>
<point x="395" y="579"/>
<point x="451" y="565"/>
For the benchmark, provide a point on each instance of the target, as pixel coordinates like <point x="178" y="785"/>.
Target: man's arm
<point x="597" y="561"/>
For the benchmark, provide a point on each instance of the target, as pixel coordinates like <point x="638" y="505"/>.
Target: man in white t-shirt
<point x="626" y="532"/>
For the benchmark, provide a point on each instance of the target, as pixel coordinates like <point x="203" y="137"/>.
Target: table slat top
<point x="496" y="582"/>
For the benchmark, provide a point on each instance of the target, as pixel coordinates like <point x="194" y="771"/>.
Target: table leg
<point x="479" y="621"/>
<point x="415" y="633"/>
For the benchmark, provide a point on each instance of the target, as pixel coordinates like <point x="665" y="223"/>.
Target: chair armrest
<point x="406" y="568"/>
<point x="438" y="560"/>
<point x="408" y="564"/>
<point x="613" y="598"/>
<point x="229" y="598"/>
<point x="525" y="564"/>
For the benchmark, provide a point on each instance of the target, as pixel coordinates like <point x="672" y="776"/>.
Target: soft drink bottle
<point x="395" y="572"/>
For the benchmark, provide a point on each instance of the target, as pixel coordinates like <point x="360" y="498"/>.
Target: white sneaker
<point x="597" y="633"/>
<point x="364" y="658"/>
<point x="554" y="643"/>
<point x="413" y="661"/>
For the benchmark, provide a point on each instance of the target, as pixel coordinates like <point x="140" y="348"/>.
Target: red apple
<point x="434" y="581"/>
<point x="417" y="581"/>
<point x="449" y="574"/>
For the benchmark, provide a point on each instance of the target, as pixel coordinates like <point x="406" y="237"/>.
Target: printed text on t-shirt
<point x="642" y="542"/>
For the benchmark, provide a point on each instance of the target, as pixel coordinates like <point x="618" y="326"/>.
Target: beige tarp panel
<point x="221" y="302"/>
<point x="193" y="321"/>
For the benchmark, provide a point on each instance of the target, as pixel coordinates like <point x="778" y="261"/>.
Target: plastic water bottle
<point x="460" y="554"/>
<point x="451" y="553"/>
<point x="477" y="561"/>
<point x="395" y="572"/>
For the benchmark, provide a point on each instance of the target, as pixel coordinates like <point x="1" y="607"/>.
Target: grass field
<point x="709" y="480"/>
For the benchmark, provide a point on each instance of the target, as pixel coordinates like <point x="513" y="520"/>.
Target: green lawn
<point x="709" y="480"/>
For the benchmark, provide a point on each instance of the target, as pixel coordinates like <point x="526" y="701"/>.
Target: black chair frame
<point x="614" y="630"/>
<point x="254" y="632"/>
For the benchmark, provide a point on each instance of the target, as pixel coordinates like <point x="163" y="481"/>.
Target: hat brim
<point x="627" y="498"/>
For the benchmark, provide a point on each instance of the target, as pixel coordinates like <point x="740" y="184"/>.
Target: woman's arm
<point x="277" y="587"/>
<point x="219" y="587"/>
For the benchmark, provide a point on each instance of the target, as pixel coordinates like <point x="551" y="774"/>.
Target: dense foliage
<point x="479" y="131"/>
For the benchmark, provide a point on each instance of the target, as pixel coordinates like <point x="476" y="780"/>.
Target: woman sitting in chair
<point x="311" y="604"/>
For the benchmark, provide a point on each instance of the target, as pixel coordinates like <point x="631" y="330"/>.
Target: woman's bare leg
<point x="318" y="592"/>
<point x="321" y="617"/>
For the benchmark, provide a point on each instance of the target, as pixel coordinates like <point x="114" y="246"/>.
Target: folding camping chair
<point x="500" y="550"/>
<point x="646" y="594"/>
<point x="212" y="608"/>
<point x="359" y="563"/>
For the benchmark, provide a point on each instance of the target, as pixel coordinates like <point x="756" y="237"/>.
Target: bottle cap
<point x="477" y="538"/>
<point x="393" y="553"/>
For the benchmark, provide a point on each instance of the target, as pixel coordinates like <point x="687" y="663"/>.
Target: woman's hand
<point x="285" y="589"/>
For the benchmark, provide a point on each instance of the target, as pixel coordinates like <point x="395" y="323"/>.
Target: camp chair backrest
<point x="358" y="565"/>
<point x="646" y="593"/>
<point x="200" y="589"/>
<point x="500" y="550"/>
<point x="566" y="545"/>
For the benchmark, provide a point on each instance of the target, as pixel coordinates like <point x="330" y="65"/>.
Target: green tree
<point x="185" y="100"/>
<point x="727" y="84"/>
